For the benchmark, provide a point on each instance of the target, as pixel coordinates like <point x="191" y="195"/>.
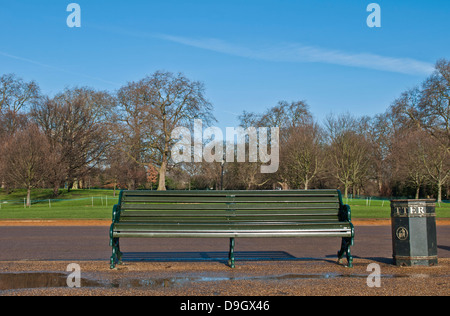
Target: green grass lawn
<point x="97" y="204"/>
<point x="77" y="204"/>
<point x="361" y="208"/>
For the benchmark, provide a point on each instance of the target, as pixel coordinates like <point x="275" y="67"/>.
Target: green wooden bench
<point x="231" y="214"/>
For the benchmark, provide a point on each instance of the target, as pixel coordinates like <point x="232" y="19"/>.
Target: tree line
<point x="82" y="137"/>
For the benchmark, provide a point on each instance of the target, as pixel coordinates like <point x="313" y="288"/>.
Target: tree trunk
<point x="439" y="199"/>
<point x="162" y="176"/>
<point x="163" y="169"/>
<point x="131" y="184"/>
<point x="69" y="185"/>
<point x="55" y="191"/>
<point x="380" y="185"/>
<point x="29" y="196"/>
<point x="284" y="185"/>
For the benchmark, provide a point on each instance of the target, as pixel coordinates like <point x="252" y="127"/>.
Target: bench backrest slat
<point x="236" y="206"/>
<point x="281" y="207"/>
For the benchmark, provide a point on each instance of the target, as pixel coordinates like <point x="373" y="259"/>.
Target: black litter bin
<point x="414" y="232"/>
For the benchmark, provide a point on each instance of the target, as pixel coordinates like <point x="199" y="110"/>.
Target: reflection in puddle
<point x="30" y="280"/>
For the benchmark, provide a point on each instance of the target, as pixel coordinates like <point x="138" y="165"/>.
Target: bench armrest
<point x="345" y="213"/>
<point x="116" y="213"/>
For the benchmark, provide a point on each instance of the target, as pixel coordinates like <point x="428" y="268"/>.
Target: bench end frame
<point x="116" y="257"/>
<point x="345" y="215"/>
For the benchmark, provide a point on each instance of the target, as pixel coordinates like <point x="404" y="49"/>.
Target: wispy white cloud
<point x="30" y="61"/>
<point x="298" y="53"/>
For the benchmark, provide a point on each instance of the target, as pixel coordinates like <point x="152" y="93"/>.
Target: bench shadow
<point x="376" y="259"/>
<point x="443" y="247"/>
<point x="218" y="256"/>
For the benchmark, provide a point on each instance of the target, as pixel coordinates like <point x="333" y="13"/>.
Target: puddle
<point x="293" y="277"/>
<point x="30" y="280"/>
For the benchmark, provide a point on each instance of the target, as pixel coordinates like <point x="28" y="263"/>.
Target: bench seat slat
<point x="316" y="231"/>
<point x="227" y="226"/>
<point x="177" y="234"/>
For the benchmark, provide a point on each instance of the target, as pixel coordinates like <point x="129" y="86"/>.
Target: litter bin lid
<point x="413" y="208"/>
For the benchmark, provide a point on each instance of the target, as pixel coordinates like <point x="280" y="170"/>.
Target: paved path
<point x="92" y="243"/>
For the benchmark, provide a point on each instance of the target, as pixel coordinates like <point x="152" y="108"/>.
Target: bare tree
<point x="436" y="161"/>
<point x="15" y="95"/>
<point x="246" y="175"/>
<point x="302" y="156"/>
<point x="77" y="123"/>
<point x="25" y="160"/>
<point x="349" y="152"/>
<point x="434" y="108"/>
<point x="428" y="107"/>
<point x="290" y="118"/>
<point x="149" y="111"/>
<point x="406" y="158"/>
<point x="122" y="171"/>
<point x="382" y="132"/>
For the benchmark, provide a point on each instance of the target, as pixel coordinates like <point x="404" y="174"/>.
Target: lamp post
<point x="222" y="164"/>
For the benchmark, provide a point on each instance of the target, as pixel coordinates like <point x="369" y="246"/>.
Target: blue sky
<point x="249" y="54"/>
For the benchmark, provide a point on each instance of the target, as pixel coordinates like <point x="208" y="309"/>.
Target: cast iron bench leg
<point x="231" y="254"/>
<point x="116" y="254"/>
<point x="345" y="249"/>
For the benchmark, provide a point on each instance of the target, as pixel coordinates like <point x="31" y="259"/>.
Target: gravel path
<point x="274" y="278"/>
<point x="33" y="261"/>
